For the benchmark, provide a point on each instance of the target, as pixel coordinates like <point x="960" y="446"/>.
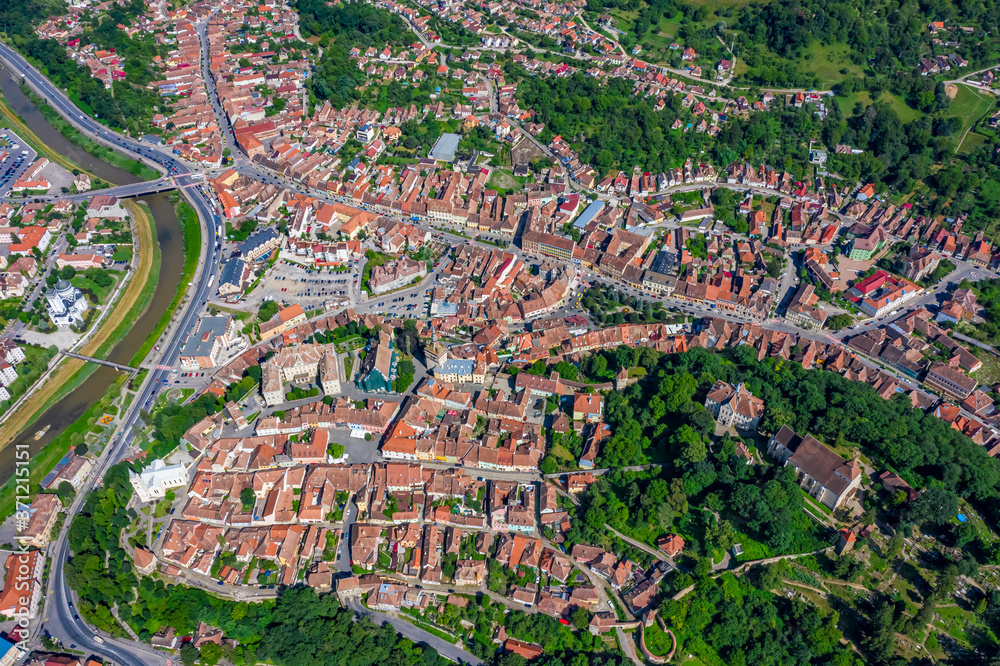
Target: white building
<point x="8" y="375"/>
<point x="214" y="336"/>
<point x="153" y="482"/>
<point x="734" y="405"/>
<point x="11" y="352"/>
<point x="66" y="305"/>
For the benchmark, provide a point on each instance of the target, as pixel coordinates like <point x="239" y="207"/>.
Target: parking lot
<point x="17" y="157"/>
<point x="405" y="306"/>
<point x="289" y="282"/>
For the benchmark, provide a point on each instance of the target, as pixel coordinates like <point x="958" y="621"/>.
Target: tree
<point x="210" y="654"/>
<point x="936" y="506"/>
<point x="247" y="497"/>
<point x="537" y="368"/>
<point x="721" y="534"/>
<point x="65" y="491"/>
<point x="189" y="654"/>
<point x="267" y="310"/>
<point x="839" y="321"/>
<point x="895" y="545"/>
<point x="566" y="370"/>
<point x="580" y="618"/>
<point x="692" y="446"/>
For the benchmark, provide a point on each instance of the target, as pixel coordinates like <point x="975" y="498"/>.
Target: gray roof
<point x="445" y="147"/>
<point x="232" y="272"/>
<point x="665" y="262"/>
<point x="258" y="238"/>
<point x="589" y="213"/>
<point x="209" y="328"/>
<point x="455" y="366"/>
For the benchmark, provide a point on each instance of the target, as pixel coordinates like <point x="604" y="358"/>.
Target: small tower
<point x="621" y="379"/>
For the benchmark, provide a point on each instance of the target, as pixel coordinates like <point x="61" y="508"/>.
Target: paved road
<point x="62" y="621"/>
<point x="414" y="633"/>
<point x="122" y="191"/>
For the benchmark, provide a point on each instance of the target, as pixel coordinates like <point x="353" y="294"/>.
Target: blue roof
<point x="589" y="213"/>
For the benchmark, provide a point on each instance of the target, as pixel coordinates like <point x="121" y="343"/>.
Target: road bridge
<point x="121" y="191"/>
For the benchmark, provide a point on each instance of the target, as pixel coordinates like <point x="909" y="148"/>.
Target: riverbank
<point x="45" y="460"/>
<point x="101" y="152"/>
<point x="16" y="123"/>
<point x="71" y="373"/>
<point x="187" y="218"/>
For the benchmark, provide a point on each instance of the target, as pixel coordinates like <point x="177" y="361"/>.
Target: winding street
<point x="61" y="620"/>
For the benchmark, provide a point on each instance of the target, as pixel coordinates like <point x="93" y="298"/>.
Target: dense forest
<point x="774" y="39"/>
<point x="130" y="105"/>
<point x="730" y="621"/>
<point x="340" y="28"/>
<point x="883" y="35"/>
<point x="661" y="419"/>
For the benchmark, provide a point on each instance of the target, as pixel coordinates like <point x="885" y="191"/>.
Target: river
<point x="171" y="243"/>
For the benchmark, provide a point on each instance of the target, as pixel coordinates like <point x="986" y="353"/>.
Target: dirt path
<point x="638" y="544"/>
<point x="796" y="583"/>
<point x="36" y="403"/>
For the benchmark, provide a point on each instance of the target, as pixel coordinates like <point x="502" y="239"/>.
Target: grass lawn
<point x="657" y="640"/>
<point x="96" y="294"/>
<point x="816" y="506"/>
<point x="825" y="63"/>
<point x="670" y="26"/>
<point x="990" y="372"/>
<point x="752" y="550"/>
<point x="972" y="141"/>
<point x="502" y="180"/>
<point x="898" y="104"/>
<point x="955" y="622"/>
<point x="561" y="452"/>
<point x="970" y="106"/>
<point x="624" y="20"/>
<point x="972" y="516"/>
<point x="348" y="363"/>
